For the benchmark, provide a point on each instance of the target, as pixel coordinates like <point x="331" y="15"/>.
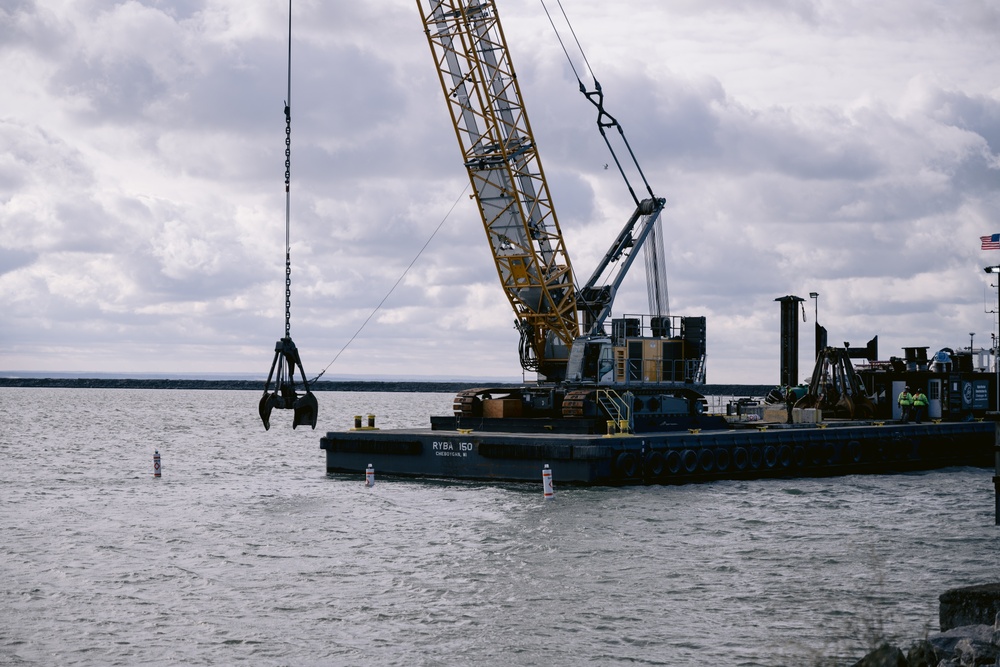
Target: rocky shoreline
<point x="964" y="646"/>
<point x="969" y="636"/>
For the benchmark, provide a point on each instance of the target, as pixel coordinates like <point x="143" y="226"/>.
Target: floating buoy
<point x="370" y="476"/>
<point x="156" y="463"/>
<point x="547" y="482"/>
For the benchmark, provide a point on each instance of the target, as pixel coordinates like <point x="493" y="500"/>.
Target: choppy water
<point x="245" y="551"/>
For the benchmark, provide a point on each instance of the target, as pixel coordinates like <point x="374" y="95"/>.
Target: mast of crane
<point x="484" y="101"/>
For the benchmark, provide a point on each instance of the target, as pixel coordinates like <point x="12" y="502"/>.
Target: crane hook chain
<point x="288" y="250"/>
<point x="288" y="146"/>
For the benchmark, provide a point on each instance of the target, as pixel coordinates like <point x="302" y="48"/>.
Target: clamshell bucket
<point x="284" y="396"/>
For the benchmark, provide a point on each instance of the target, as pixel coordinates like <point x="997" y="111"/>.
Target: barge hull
<point x="662" y="458"/>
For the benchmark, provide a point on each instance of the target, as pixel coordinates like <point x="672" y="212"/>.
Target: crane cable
<point x="596" y="97"/>
<point x="656" y="278"/>
<point x="396" y="284"/>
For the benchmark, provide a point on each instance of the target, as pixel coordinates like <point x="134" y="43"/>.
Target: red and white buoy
<point x="370" y="476"/>
<point x="156" y="463"/>
<point x="547" y="482"/>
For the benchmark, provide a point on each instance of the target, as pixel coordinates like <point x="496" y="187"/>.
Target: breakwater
<point x="237" y="385"/>
<point x="445" y="386"/>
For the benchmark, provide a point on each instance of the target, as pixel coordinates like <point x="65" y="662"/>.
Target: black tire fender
<point x="785" y="456"/>
<point x="673" y="462"/>
<point x="655" y="464"/>
<point x="690" y="460"/>
<point x="740" y="458"/>
<point x="626" y="465"/>
<point x="770" y="456"/>
<point x="706" y="460"/>
<point x="722" y="459"/>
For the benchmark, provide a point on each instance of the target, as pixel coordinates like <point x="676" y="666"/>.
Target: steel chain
<point x="288" y="250"/>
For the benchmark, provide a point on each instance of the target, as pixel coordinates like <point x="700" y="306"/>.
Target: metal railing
<point x="618" y="407"/>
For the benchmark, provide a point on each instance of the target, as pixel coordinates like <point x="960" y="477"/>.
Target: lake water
<point x="245" y="551"/>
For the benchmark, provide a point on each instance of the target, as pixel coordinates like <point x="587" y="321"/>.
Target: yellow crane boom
<point x="494" y="134"/>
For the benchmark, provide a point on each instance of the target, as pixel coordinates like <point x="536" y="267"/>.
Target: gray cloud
<point x="844" y="148"/>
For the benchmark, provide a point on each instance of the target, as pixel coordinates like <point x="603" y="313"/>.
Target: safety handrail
<point x="617" y="407"/>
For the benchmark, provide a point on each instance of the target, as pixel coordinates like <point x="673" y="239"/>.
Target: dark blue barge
<point x="677" y="457"/>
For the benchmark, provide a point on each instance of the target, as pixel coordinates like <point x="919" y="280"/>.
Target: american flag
<point x="991" y="242"/>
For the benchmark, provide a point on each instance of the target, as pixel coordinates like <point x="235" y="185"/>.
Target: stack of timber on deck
<point x="664" y="458"/>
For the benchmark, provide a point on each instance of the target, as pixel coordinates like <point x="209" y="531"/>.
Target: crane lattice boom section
<point x="484" y="100"/>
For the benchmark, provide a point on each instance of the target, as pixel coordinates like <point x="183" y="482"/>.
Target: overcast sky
<point x="843" y="147"/>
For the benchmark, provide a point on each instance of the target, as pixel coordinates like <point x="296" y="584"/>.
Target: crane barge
<point x="608" y="407"/>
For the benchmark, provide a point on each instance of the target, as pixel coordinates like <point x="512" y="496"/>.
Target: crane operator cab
<point x="592" y="359"/>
